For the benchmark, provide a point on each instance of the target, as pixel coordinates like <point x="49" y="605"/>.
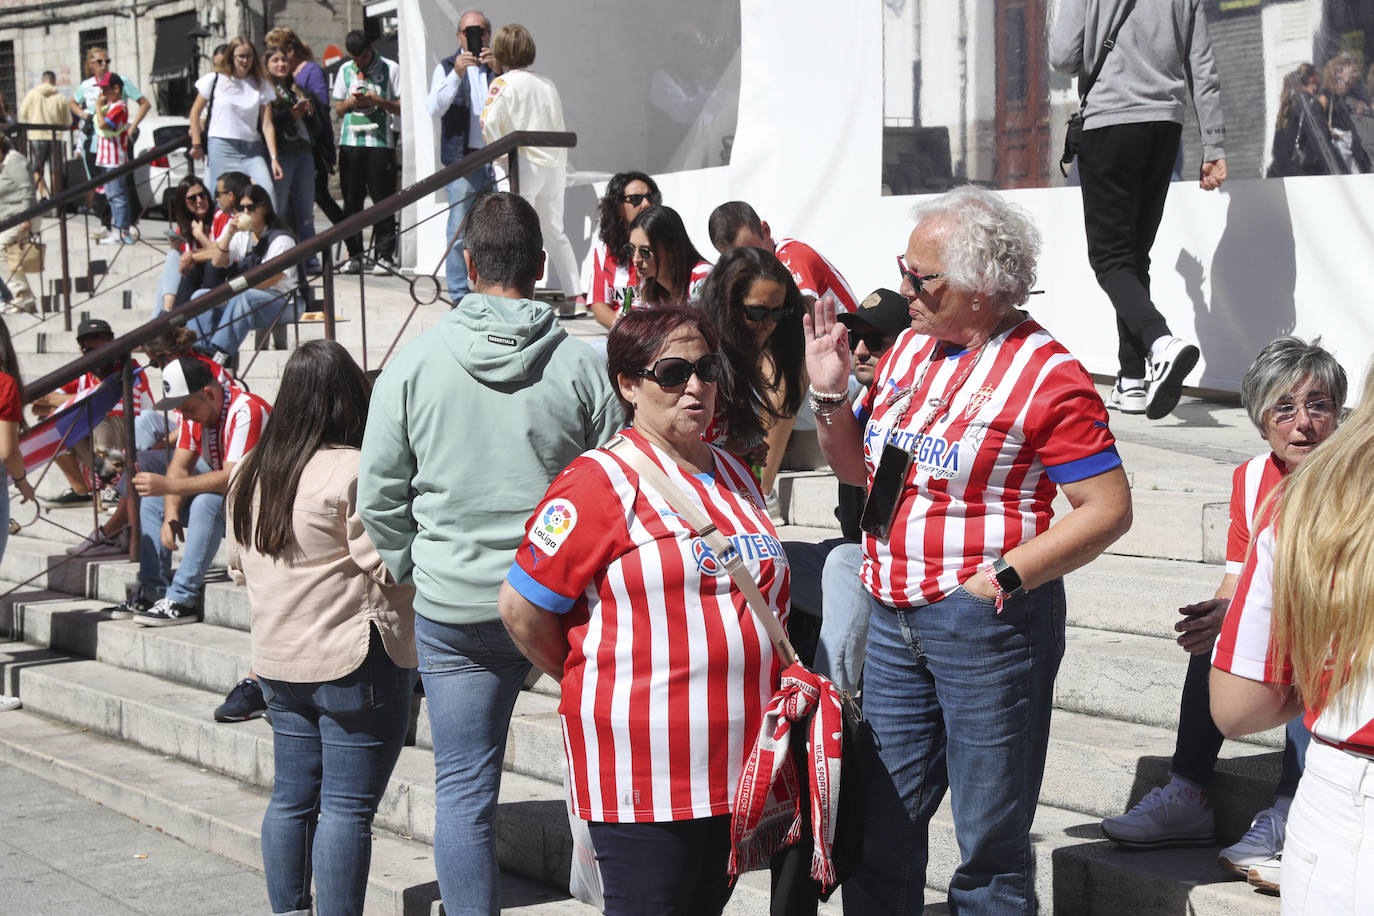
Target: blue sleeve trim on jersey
<point x="1083" y="468"/>
<point x="536" y="593"/>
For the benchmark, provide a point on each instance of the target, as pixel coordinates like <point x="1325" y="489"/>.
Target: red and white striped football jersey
<point x="610" y="278"/>
<point x="111" y="151"/>
<point x="1243" y="649"/>
<point x="669" y="671"/>
<point x="1251" y="484"/>
<point x="814" y="275"/>
<point x="240" y="426"/>
<point x="1025" y="419"/>
<point x="698" y="280"/>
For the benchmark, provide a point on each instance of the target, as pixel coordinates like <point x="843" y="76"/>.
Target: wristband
<point x="996" y="587"/>
<point x="827" y="397"/>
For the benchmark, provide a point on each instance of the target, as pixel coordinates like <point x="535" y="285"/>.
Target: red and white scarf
<point x="767" y="815"/>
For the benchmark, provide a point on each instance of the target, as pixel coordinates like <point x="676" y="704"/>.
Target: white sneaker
<point x="1167" y="373"/>
<point x="1165" y="817"/>
<point x="1265" y="875"/>
<point x="383" y="267"/>
<point x="8" y="702"/>
<point x="1128" y="400"/>
<point x="110" y="238"/>
<point x="1262" y="842"/>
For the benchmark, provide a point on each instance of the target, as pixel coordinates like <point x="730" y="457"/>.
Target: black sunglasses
<point x="916" y="280"/>
<point x="198" y="195"/>
<point x="875" y="341"/>
<point x="672" y="371"/>
<point x="763" y="313"/>
<point x="644" y="251"/>
<point x="635" y="200"/>
<point x="246" y="208"/>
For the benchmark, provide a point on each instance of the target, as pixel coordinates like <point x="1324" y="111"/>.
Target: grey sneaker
<point x="167" y="613"/>
<point x="1261" y="843"/>
<point x="1164" y="817"/>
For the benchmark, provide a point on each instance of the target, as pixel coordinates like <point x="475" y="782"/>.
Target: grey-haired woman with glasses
<point x="975" y="419"/>
<point x="1293" y="392"/>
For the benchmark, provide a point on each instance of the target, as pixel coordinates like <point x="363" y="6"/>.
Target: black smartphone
<point x="889" y="480"/>
<point x="473" y="34"/>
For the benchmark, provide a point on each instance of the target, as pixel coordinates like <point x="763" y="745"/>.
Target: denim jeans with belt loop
<point x="959" y="698"/>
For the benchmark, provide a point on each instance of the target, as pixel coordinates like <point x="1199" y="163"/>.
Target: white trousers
<point x="1328" y="853"/>
<point x="543" y="187"/>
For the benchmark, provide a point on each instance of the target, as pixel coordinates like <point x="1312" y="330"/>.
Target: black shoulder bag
<point x="1073" y="136"/>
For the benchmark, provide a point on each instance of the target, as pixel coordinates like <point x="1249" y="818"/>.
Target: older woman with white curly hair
<point x="976" y="415"/>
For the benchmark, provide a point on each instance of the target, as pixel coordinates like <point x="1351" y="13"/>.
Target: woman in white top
<point x="253" y="236"/>
<point x="522" y="100"/>
<point x="237" y="95"/>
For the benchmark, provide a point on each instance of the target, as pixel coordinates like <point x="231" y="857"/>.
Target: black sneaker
<point x="244" y="702"/>
<point x="69" y="497"/>
<point x="1166" y="377"/>
<point x="134" y="604"/>
<point x="165" y="612"/>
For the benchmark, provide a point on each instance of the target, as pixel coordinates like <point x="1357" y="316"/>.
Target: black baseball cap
<point x="182" y="378"/>
<point x="884" y="309"/>
<point x="93" y="326"/>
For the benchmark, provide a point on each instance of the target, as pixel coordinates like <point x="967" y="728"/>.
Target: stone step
<point x="1139" y="595"/>
<point x="1077" y="872"/>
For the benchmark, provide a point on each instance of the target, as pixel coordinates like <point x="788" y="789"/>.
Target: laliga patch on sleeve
<point x="556" y="520"/>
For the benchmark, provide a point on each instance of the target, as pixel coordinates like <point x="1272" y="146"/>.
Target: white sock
<point x="1157" y="348"/>
<point x="1190" y="790"/>
<point x="1281" y="804"/>
<point x="1126" y="384"/>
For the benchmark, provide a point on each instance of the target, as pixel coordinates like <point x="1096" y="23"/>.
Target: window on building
<point x="8" y="88"/>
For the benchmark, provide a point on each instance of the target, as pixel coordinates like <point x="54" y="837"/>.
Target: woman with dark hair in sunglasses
<point x="670" y="269"/>
<point x="255" y="235"/>
<point x="193" y="212"/>
<point x="613" y="594"/>
<point x="752" y="298"/>
<point x="627" y="195"/>
<point x="976" y="418"/>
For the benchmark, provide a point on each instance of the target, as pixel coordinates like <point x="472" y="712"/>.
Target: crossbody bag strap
<point x="1107" y="45"/>
<point x="704" y="528"/>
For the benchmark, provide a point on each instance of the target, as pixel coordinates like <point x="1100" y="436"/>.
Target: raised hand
<point x="828" y="360"/>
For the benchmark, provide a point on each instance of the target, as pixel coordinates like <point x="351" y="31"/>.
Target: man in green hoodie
<point x="468" y="426"/>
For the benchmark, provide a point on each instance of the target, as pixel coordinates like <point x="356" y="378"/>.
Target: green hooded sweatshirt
<point x="467" y="427"/>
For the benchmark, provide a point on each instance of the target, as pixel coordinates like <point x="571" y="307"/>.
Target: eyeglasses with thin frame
<point x="672" y="371"/>
<point x="763" y="313"/>
<point x="645" y="253"/>
<point x="1287" y="412"/>
<point x="916" y="280"/>
<point x="635" y="200"/>
<point x="876" y="341"/>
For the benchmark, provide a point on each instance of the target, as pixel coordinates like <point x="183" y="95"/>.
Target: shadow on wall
<point x="1253" y="278"/>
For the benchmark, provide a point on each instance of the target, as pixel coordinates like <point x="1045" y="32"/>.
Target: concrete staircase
<point x="122" y="714"/>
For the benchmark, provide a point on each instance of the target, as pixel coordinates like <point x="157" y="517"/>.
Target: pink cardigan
<point x="314" y="607"/>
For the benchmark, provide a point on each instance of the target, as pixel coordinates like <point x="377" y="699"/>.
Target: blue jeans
<point x="472" y="675"/>
<point x="247" y="156"/>
<point x="117" y="193"/>
<point x="203" y="516"/>
<point x="169" y="281"/>
<point x="5" y="519"/>
<point x="334" y="745"/>
<point x="296" y="191"/>
<point x="844" y="626"/>
<point x="461" y="191"/>
<point x="959" y="698"/>
<point x="225" y="328"/>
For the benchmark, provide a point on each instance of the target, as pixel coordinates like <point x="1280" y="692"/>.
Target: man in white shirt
<point x="457" y="92"/>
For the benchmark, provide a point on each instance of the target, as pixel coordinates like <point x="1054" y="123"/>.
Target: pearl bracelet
<point x="827" y="397"/>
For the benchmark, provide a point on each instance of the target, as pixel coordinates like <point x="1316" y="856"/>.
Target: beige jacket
<point x="45" y="105"/>
<point x="314" y="607"/>
<point x="521" y="100"/>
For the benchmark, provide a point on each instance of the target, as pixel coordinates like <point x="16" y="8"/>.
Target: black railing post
<point x="513" y="170"/>
<point x="130" y="455"/>
<point x="327" y="290"/>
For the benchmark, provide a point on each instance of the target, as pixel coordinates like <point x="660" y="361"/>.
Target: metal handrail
<point x="121" y="346"/>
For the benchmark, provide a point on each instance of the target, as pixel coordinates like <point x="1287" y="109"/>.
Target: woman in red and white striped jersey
<point x="1299" y="634"/>
<point x="975" y="418"/>
<point x="671" y="270"/>
<point x="628" y="194"/>
<point x="1293" y="392"/>
<point x="665" y="671"/>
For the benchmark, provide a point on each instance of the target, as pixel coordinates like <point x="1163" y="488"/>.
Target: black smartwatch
<point x="1007" y="578"/>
